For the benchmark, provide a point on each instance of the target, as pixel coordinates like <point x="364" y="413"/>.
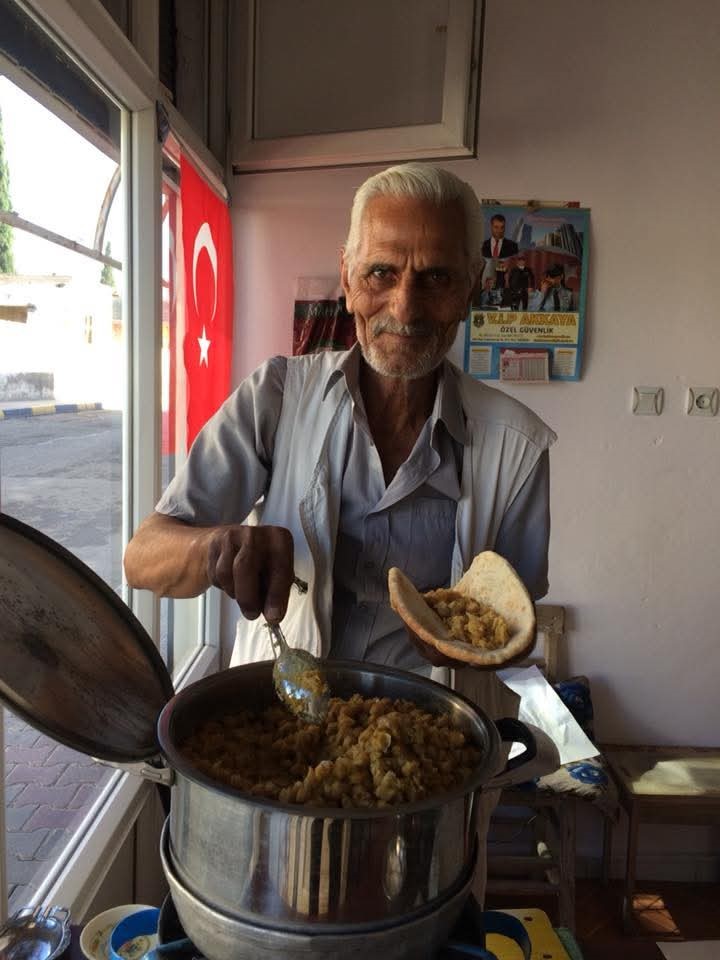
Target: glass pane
<point x="61" y="349"/>
<point x="179" y="623"/>
<point x="46" y="156"/>
<point x="302" y="53"/>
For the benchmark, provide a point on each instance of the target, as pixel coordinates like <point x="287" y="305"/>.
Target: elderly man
<point x="353" y="462"/>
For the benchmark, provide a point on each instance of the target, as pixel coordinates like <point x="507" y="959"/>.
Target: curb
<point x="43" y="409"/>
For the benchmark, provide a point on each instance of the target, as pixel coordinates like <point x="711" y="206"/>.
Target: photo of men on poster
<point x="532" y="290"/>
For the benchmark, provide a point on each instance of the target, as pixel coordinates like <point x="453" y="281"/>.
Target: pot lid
<point x="75" y="662"/>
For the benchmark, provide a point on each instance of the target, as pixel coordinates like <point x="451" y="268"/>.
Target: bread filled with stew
<point x="486" y="620"/>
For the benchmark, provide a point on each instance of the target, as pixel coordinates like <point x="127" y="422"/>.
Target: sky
<point x="58" y="181"/>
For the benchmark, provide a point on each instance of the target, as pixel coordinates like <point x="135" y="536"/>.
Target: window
<point x="422" y="104"/>
<point x="59" y="472"/>
<point x="84" y="329"/>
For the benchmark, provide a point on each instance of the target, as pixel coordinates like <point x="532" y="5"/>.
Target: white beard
<point x="421" y="365"/>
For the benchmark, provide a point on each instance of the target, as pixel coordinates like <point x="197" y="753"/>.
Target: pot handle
<point x="539" y="757"/>
<point x="156" y="773"/>
<point x="515" y="731"/>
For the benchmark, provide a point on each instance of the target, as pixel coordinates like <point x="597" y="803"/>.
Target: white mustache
<point x="419" y="328"/>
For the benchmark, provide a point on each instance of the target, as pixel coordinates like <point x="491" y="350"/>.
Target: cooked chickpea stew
<point x="468" y="620"/>
<point x="367" y="753"/>
<point x="313" y="681"/>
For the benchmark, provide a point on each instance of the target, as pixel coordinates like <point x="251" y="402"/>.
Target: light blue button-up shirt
<point x="409" y="523"/>
<point x="319" y="474"/>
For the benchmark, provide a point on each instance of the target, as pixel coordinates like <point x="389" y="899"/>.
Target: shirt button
<point x="369" y="566"/>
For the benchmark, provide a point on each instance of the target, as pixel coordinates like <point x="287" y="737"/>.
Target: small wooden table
<point x="662" y="785"/>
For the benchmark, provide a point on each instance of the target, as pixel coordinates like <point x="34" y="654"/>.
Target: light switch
<point x="648" y="401"/>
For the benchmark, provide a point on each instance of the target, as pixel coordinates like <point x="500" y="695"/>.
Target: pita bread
<point x="490" y="579"/>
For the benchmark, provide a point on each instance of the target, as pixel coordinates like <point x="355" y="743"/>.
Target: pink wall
<point x="613" y="104"/>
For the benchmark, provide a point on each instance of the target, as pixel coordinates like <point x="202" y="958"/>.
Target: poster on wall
<point x="527" y="318"/>
<point x="320" y="320"/>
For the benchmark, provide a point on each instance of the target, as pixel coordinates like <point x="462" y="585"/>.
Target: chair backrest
<point x="550" y="632"/>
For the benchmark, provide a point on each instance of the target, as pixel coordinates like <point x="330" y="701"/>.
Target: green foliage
<point x="6" y="233"/>
<point x="107" y="276"/>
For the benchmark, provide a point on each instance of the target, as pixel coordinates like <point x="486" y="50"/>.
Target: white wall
<point x="614" y="104"/>
<point x="54" y="339"/>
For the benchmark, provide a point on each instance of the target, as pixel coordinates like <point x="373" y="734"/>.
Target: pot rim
<point x="485" y="771"/>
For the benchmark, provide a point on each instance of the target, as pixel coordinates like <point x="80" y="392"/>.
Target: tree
<point x="6" y="234"/>
<point x="107" y="276"/>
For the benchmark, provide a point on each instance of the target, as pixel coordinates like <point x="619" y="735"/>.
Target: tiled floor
<point x="681" y="911"/>
<point x="48" y="790"/>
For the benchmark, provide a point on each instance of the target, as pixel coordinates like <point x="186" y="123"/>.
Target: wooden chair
<point x="549" y="868"/>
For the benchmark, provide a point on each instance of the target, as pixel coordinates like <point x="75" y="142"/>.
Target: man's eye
<point x="380" y="273"/>
<point x="437" y="278"/>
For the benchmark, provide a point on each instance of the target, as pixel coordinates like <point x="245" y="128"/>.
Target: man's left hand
<point x="431" y="653"/>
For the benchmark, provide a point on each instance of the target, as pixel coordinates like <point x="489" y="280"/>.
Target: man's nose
<point x="405" y="301"/>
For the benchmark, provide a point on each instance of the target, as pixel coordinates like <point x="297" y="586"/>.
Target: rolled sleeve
<point x="230" y="463"/>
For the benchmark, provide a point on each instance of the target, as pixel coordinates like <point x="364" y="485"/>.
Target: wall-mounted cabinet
<point x="334" y="82"/>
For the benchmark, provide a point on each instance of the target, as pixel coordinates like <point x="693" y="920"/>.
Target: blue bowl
<point x="141" y="928"/>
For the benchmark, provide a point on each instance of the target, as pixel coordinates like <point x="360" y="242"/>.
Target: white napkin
<point x="541" y="706"/>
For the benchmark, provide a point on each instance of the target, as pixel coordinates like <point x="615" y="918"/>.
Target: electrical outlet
<point x="703" y="401"/>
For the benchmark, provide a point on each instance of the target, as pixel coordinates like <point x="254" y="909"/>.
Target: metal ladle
<point x="35" y="934"/>
<point x="298" y="676"/>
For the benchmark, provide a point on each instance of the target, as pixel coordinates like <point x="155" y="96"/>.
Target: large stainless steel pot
<point x="222" y="936"/>
<point x="305" y="867"/>
<point x="78" y="665"/>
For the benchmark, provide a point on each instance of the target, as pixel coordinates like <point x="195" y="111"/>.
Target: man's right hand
<point x="253" y="565"/>
<point x="173" y="558"/>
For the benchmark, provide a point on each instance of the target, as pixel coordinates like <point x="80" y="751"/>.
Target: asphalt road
<point x="61" y="473"/>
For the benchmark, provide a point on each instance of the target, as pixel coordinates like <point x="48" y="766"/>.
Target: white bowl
<point x="95" y="936"/>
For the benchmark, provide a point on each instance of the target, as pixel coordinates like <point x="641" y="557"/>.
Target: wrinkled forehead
<point x="403" y="226"/>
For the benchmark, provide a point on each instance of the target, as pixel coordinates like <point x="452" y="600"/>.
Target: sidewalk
<point x="37" y="408"/>
<point x="48" y="790"/>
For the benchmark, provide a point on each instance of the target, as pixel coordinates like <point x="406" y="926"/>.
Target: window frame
<point x="89" y="35"/>
<point x="454" y="136"/>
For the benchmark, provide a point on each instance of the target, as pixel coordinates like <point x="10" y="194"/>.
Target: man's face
<point x="409" y="285"/>
<point x="497" y="228"/>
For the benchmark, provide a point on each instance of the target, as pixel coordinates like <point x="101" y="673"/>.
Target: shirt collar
<point x="448" y="404"/>
<point x="348" y="367"/>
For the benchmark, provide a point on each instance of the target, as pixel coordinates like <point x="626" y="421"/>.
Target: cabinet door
<point x="331" y="82"/>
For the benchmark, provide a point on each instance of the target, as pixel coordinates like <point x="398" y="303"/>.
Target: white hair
<point x="419" y="181"/>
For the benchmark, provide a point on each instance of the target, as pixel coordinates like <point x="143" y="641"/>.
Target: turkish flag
<point x="207" y="255"/>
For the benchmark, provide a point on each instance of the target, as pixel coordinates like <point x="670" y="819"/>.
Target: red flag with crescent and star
<point x="207" y="254"/>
